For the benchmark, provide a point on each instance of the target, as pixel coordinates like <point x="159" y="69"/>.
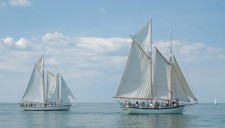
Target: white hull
<point x="48" y="108"/>
<point x="170" y="110"/>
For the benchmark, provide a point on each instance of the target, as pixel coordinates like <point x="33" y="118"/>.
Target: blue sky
<point x="88" y="42"/>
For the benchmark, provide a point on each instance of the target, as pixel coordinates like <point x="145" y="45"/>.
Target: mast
<point x="43" y="80"/>
<point x="150" y="40"/>
<point x="171" y="62"/>
<point x="47" y="81"/>
<point x="57" y="86"/>
<point x="58" y="83"/>
<point x="43" y="75"/>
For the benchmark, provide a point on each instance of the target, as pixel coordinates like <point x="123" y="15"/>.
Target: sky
<point x="88" y="41"/>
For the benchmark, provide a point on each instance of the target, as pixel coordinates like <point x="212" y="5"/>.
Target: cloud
<point x="198" y="51"/>
<point x="102" y="44"/>
<point x="11" y="43"/>
<point x="192" y="52"/>
<point x="8" y="41"/>
<point x="20" y="2"/>
<point x="54" y="37"/>
<point x="22" y="43"/>
<point x="101" y="55"/>
<point x="78" y="56"/>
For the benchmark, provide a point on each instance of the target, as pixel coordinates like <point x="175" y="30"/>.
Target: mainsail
<point x="135" y="82"/>
<point x="35" y="88"/>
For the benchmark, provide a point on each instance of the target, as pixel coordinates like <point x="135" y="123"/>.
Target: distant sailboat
<point x="52" y="95"/>
<point x="215" y="102"/>
<point x="152" y="79"/>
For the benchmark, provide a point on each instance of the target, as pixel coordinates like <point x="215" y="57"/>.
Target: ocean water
<point x="109" y="115"/>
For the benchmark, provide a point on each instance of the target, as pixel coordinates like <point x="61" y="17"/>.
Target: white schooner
<point x="53" y="95"/>
<point x="155" y="82"/>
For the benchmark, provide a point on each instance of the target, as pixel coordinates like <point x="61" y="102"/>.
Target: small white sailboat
<point x="215" y="102"/>
<point x="53" y="95"/>
<point x="152" y="79"/>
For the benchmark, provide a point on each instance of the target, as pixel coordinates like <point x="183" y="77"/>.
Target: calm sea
<point x="106" y="115"/>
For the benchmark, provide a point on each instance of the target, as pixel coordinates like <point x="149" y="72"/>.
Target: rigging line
<point x="144" y="62"/>
<point x="162" y="55"/>
<point x="136" y="42"/>
<point x="51" y="73"/>
<point x="37" y="67"/>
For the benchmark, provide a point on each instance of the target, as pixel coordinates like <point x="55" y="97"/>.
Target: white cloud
<point x="11" y="43"/>
<point x="97" y="53"/>
<point x="192" y="51"/>
<point x="22" y="43"/>
<point x="20" y="2"/>
<point x="102" y="44"/>
<point x="54" y="37"/>
<point x="78" y="56"/>
<point x="8" y="41"/>
<point x="51" y="61"/>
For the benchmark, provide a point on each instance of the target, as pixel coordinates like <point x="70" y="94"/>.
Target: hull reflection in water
<point x="156" y="121"/>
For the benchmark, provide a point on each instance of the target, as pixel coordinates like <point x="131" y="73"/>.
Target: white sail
<point x="52" y="90"/>
<point x="136" y="79"/>
<point x="161" y="76"/>
<point x="180" y="87"/>
<point x="66" y="94"/>
<point x="143" y="36"/>
<point x="35" y="88"/>
<point x="135" y="82"/>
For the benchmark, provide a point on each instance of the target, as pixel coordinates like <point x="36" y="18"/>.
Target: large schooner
<point x="154" y="81"/>
<point x="52" y="95"/>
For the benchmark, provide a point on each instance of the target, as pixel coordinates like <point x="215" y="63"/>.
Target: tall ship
<point x="49" y="93"/>
<point x="152" y="82"/>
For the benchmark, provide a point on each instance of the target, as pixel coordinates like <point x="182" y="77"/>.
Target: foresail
<point x="34" y="91"/>
<point x="143" y="36"/>
<point x="135" y="82"/>
<point x="161" y="77"/>
<point x="52" y="90"/>
<point x="65" y="91"/>
<point x="180" y="86"/>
